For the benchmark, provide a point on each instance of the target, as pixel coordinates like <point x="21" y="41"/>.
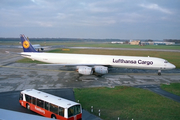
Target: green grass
<point x="127" y="103"/>
<point x="172" y="88"/>
<point x="27" y="60"/>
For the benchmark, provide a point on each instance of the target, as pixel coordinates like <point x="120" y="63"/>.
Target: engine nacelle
<point x="101" y="69"/>
<point x="85" y="70"/>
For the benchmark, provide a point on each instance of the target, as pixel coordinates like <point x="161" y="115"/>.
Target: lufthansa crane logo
<point x="26" y="44"/>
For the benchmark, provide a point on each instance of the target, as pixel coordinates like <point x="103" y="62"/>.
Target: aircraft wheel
<point x="159" y="73"/>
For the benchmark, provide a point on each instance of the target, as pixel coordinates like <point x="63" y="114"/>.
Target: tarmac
<point x="15" y="77"/>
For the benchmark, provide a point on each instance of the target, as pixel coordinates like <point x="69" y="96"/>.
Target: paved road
<point x="19" y="76"/>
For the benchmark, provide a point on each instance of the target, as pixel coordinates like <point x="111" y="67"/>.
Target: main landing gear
<point x="159" y="72"/>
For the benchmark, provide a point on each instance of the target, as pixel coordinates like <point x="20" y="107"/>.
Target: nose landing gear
<point x="159" y="72"/>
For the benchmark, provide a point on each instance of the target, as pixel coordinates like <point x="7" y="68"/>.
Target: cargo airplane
<point x="88" y="64"/>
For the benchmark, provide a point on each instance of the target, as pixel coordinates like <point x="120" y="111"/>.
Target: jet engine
<point x="101" y="69"/>
<point x="85" y="70"/>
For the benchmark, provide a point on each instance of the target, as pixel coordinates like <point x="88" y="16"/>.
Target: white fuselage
<point x="104" y="60"/>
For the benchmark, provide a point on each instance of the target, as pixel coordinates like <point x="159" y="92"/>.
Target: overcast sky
<point x="122" y="19"/>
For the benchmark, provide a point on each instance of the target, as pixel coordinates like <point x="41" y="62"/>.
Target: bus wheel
<point x="53" y="116"/>
<point x="27" y="106"/>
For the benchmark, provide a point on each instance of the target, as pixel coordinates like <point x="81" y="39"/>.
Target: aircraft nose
<point x="171" y="66"/>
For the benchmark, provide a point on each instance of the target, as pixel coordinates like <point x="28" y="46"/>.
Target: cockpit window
<point x="165" y="61"/>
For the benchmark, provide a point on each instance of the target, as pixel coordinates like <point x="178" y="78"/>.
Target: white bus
<point x="50" y="106"/>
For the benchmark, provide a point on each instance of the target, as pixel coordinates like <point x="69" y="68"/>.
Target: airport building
<point x="135" y="42"/>
<point x="117" y="42"/>
<point x="138" y="42"/>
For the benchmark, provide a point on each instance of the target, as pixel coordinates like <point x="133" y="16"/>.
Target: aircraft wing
<point x="72" y="65"/>
<point x="86" y="69"/>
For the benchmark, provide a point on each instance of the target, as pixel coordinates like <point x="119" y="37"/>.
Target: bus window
<point x="74" y="110"/>
<point x="21" y="97"/>
<point x="61" y="111"/>
<point x="40" y="103"/>
<point x="46" y="105"/>
<point x="77" y="109"/>
<point x="28" y="98"/>
<point x="54" y="108"/>
<point x="33" y="100"/>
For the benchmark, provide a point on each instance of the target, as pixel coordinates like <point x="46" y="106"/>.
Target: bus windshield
<point x="74" y="110"/>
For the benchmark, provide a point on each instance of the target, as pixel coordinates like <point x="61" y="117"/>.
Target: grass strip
<point x="127" y="103"/>
<point x="172" y="88"/>
<point x="27" y="60"/>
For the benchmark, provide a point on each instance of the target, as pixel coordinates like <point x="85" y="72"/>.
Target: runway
<point x="19" y="76"/>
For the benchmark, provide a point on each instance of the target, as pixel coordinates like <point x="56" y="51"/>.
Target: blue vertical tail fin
<point x="27" y="47"/>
